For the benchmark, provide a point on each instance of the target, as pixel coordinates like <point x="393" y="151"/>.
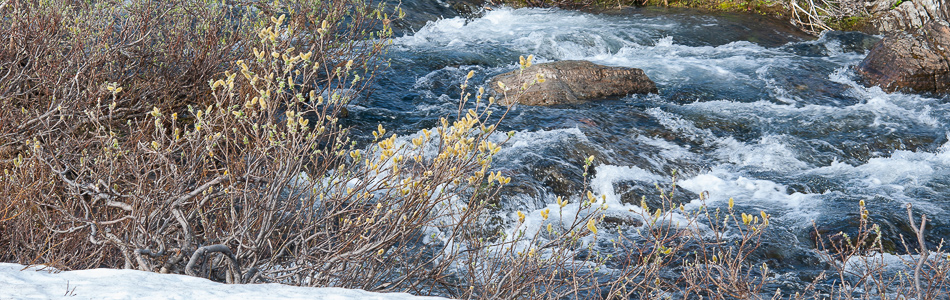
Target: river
<point x="748" y="108"/>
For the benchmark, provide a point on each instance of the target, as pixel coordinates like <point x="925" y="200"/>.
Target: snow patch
<point x="20" y="282"/>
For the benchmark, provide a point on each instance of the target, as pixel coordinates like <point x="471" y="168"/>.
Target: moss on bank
<point x="765" y="7"/>
<point x="852" y="23"/>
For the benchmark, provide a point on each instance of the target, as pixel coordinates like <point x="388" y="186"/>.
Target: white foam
<point x="528" y="142"/>
<point x="888" y="263"/>
<point x="893" y="175"/>
<point x="888" y="106"/>
<point x="722" y="184"/>
<point x="552" y="34"/>
<point x="769" y="153"/>
<point x="607" y="175"/>
<point x="668" y="149"/>
<point x="549" y="33"/>
<point x="681" y="126"/>
<point x="665" y="42"/>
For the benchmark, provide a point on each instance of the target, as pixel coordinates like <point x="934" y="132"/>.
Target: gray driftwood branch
<point x="220" y="248"/>
<point x="924" y="254"/>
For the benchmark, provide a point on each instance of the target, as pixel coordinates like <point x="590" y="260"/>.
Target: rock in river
<point x="917" y="61"/>
<point x="570" y="82"/>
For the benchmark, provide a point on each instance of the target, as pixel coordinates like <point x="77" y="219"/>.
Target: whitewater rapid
<point x="747" y="108"/>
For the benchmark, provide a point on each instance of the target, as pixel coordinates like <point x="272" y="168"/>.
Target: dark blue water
<point x="747" y="108"/>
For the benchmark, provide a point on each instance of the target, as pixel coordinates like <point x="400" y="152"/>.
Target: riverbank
<point x="808" y="16"/>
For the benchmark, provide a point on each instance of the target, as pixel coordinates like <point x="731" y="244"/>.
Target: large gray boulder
<point x="915" y="61"/>
<point x="570" y="82"/>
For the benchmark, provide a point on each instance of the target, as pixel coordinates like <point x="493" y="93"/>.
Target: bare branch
<point x="202" y="251"/>
<point x="204" y="187"/>
<point x="924" y="254"/>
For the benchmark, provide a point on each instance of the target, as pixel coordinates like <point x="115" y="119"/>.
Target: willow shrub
<point x="121" y="150"/>
<point x="203" y="137"/>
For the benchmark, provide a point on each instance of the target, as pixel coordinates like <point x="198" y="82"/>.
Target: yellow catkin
<point x="591" y="225"/>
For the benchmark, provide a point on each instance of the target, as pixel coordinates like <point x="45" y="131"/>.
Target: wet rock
<point x="521" y="187"/>
<point x="420" y="12"/>
<point x="558" y="167"/>
<point x="468" y="9"/>
<point x="632" y="192"/>
<point x="829" y="228"/>
<point x="907" y="16"/>
<point x="778" y="247"/>
<point x="571" y="82"/>
<point x="562" y="180"/>
<point x="813" y="184"/>
<point x="914" y="54"/>
<point x="875" y="7"/>
<point x="852" y="41"/>
<point x="916" y="61"/>
<point x="619" y="219"/>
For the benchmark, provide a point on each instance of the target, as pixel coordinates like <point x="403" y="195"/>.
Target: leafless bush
<point x="109" y="162"/>
<point x="863" y="269"/>
<point x="816" y="16"/>
<point x="812" y="16"/>
<point x="58" y="62"/>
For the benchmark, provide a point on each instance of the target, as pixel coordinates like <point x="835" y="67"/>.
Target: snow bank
<point x="32" y="283"/>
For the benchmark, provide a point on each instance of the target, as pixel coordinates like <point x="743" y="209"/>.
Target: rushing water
<point x="747" y="108"/>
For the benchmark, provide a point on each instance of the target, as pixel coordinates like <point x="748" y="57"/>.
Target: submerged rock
<point x="614" y="219"/>
<point x="570" y="82"/>
<point x="633" y="191"/>
<point x="917" y="60"/>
